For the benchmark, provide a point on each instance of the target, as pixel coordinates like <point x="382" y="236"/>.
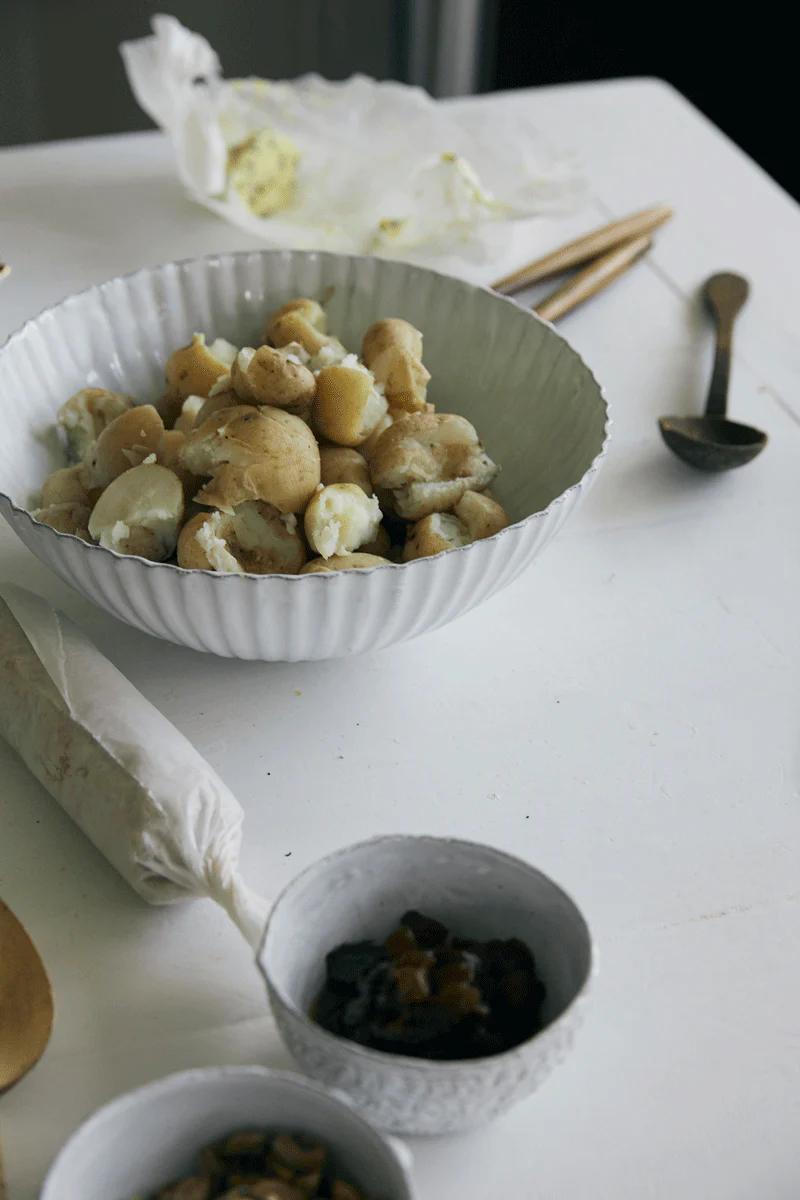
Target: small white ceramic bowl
<point x="479" y="892"/>
<point x="537" y="406"/>
<point x="146" y="1138"/>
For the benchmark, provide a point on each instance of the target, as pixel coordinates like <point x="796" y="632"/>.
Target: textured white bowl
<point x="148" y="1137"/>
<point x="479" y="892"/>
<point x="537" y="406"/>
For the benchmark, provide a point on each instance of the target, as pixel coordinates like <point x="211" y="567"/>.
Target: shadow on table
<point x="651" y="487"/>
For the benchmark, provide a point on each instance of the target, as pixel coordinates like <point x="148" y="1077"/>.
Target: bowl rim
<point x="286" y="253"/>
<point x="207" y="1076"/>
<point x="382" y="1058"/>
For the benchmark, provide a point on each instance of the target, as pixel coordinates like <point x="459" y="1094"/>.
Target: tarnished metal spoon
<point x="712" y="442"/>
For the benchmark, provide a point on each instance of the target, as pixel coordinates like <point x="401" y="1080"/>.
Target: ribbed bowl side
<point x="539" y="410"/>
<point x="400" y="1098"/>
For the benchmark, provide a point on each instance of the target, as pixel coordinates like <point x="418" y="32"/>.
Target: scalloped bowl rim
<point x="382" y="1058"/>
<point x="93" y="547"/>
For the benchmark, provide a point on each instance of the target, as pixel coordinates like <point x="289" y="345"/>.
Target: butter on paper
<point x="125" y="775"/>
<point x="358" y="166"/>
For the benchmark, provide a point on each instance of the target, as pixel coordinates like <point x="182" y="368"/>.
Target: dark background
<point x="742" y="73"/>
<point x="61" y="75"/>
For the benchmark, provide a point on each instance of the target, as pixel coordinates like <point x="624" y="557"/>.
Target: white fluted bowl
<point x="148" y="1137"/>
<point x="536" y="405"/>
<point x="360" y="893"/>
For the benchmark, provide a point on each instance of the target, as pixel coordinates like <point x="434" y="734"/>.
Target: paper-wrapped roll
<point x="127" y="777"/>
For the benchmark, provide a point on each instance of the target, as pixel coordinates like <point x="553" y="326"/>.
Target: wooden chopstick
<point x="592" y="279"/>
<point x="584" y="248"/>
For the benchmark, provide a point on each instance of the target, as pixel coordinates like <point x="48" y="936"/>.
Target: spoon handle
<point x="724" y="295"/>
<point x="717" y="403"/>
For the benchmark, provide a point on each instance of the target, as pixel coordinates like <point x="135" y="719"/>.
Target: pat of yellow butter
<point x="262" y="169"/>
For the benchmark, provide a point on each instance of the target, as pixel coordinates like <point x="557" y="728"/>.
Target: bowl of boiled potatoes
<point x="287" y="455"/>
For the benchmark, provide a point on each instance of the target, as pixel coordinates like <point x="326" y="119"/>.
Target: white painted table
<point x="625" y="716"/>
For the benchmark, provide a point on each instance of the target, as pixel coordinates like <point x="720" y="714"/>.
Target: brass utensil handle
<point x="725" y="294"/>
<point x="592" y="279"/>
<point x="584" y="248"/>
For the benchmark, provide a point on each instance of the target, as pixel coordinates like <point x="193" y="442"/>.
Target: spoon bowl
<point x="712" y="443"/>
<point x="26" y="1002"/>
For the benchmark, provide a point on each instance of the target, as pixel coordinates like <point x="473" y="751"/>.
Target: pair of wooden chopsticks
<point x="608" y="252"/>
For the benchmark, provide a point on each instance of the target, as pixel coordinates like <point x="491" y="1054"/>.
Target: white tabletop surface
<point x="625" y="716"/>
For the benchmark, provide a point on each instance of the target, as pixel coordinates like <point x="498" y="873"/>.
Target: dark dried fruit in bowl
<point x="344" y="1191"/>
<point x="401" y="942"/>
<point x="196" y="1187"/>
<point x="263" y="1189"/>
<point x="353" y="962"/>
<point x="300" y="1156"/>
<point x="462" y="970"/>
<point x="247" y="1143"/>
<point x="251" y="1164"/>
<point x="428" y="933"/>
<point x="426" y="993"/>
<point x="411" y="983"/>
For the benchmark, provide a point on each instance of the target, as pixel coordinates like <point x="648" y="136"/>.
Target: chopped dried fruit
<point x="412" y="984"/>
<point x="252" y="1164"/>
<point x="428" y="933"/>
<point x="197" y="1187"/>
<point x="426" y="993"/>
<point x="247" y="1142"/>
<point x="296" y="1155"/>
<point x="453" y="972"/>
<point x="461" y="998"/>
<point x="350" y="963"/>
<point x="400" y="942"/>
<point x="344" y="1191"/>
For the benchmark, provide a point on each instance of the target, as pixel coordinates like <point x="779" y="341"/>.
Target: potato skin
<point x="191" y="555"/>
<point x="433" y="535"/>
<point x="390" y="331"/>
<point x="347" y="407"/>
<point x="254" y="454"/>
<point x="482" y="515"/>
<point x="85" y="415"/>
<point x="271" y="378"/>
<point x="392" y="349"/>
<point x="124" y="443"/>
<point x="193" y="370"/>
<point x="427" y="461"/>
<point x="343" y="562"/>
<point x="256" y="541"/>
<point x="300" y="320"/>
<point x="67" y="485"/>
<point x="67" y="517"/>
<point x="140" y="512"/>
<point x="344" y="464"/>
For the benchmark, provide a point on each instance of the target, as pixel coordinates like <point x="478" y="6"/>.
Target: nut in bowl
<point x="445" y="383"/>
<point x="173" y="1139"/>
<point x="491" y="901"/>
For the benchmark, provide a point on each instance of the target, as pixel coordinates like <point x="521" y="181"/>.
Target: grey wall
<point x="61" y="73"/>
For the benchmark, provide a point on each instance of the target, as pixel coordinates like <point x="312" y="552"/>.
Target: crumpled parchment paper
<point x="358" y="166"/>
<point x="128" y="778"/>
